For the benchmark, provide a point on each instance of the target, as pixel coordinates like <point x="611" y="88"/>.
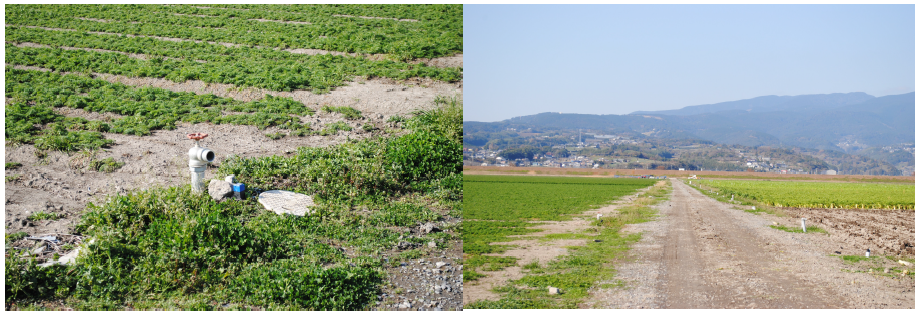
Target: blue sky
<point x="617" y="59"/>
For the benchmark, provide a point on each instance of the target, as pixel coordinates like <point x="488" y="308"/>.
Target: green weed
<point x="471" y="275"/>
<point x="810" y="229"/>
<point x="348" y="112"/>
<point x="42" y="215"/>
<point x="334" y="128"/>
<point x="275" y="136"/>
<point x="16" y="236"/>
<point x="106" y="165"/>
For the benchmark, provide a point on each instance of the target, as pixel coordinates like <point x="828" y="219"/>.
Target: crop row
<point x="439" y="36"/>
<point x="424" y="12"/>
<point x="822" y="194"/>
<point x="143" y="109"/>
<point x="178" y="61"/>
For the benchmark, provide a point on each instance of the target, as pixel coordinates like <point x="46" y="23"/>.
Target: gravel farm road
<point x="701" y="253"/>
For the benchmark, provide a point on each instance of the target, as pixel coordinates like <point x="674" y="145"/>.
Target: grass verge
<point x="810" y="229"/>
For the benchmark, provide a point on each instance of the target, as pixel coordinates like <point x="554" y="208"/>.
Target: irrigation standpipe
<point x="198" y="158"/>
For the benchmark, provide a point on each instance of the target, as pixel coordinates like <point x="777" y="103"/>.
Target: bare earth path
<point x="703" y="254"/>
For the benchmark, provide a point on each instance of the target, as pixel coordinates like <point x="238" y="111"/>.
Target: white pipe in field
<point x="754" y="208"/>
<point x="598" y="216"/>
<point x="803" y="226"/>
<point x="198" y="158"/>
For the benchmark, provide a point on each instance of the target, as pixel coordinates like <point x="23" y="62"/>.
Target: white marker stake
<point x="868" y="253"/>
<point x="754" y="208"/>
<point x="803" y="226"/>
<point x="598" y="216"/>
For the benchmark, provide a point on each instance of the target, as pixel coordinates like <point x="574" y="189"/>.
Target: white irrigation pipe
<point x="803" y="226"/>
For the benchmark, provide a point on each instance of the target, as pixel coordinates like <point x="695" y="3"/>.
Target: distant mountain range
<point x="842" y="122"/>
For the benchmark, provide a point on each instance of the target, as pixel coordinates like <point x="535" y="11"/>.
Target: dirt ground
<point x="703" y="254"/>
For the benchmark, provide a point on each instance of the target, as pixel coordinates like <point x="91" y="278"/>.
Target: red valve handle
<point x="197" y="136"/>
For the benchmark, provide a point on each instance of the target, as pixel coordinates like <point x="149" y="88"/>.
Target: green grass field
<point x="500" y="206"/>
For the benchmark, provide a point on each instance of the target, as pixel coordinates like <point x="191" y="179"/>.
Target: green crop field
<point x="183" y="42"/>
<point x="541" y="198"/>
<point x="495" y="207"/>
<point x="821" y="194"/>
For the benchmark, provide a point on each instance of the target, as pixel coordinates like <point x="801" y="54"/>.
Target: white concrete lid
<point x="282" y="201"/>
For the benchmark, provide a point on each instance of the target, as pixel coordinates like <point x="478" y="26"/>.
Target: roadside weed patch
<point x="851" y="259"/>
<point x="797" y="229"/>
<point x="12" y="165"/>
<point x="752" y="211"/>
<point x="885" y="266"/>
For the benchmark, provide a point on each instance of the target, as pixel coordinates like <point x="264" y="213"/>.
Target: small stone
<point x="887" y="270"/>
<point x="435" y="271"/>
<point x="405" y="305"/>
<point x="432" y="244"/>
<point x="404" y="245"/>
<point x="428" y="228"/>
<point x="553" y="290"/>
<point x="440" y="264"/>
<point x="904" y="273"/>
<point x="219" y="190"/>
